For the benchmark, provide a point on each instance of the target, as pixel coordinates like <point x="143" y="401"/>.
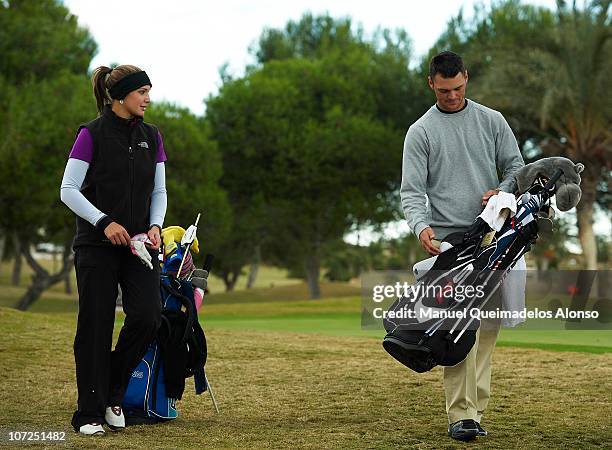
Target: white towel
<point x="513" y="292"/>
<point x="497" y="210"/>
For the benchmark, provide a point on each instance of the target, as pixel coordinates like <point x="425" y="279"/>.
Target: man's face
<point x="450" y="92"/>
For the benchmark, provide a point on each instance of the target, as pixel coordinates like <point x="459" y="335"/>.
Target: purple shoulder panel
<point x="83" y="146"/>
<point x="161" y="153"/>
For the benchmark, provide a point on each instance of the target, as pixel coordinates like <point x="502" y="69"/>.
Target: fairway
<point x="285" y="308"/>
<point x="290" y="372"/>
<point x="307" y="390"/>
<point x="342" y="317"/>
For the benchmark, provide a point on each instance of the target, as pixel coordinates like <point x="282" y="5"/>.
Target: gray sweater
<point x="453" y="159"/>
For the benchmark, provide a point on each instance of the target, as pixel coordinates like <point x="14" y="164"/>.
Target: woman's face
<point x="136" y="102"/>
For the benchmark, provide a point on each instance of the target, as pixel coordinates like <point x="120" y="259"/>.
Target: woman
<point x="115" y="183"/>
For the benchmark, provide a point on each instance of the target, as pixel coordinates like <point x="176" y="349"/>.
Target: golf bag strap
<point x="190" y="307"/>
<point x="165" y="329"/>
<point x="155" y="379"/>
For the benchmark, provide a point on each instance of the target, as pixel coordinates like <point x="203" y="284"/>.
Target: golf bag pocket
<point x="145" y="399"/>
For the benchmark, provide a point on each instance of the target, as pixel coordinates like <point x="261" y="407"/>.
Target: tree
<point x="242" y="244"/>
<point x="43" y="90"/>
<point x="318" y="170"/>
<point x="403" y="252"/>
<point x="547" y="71"/>
<point x="387" y="55"/>
<point x="38" y="136"/>
<point x="29" y="60"/>
<point x="40" y="39"/>
<point x="193" y="171"/>
<point x="344" y="262"/>
<point x="550" y="250"/>
<point x="312" y="37"/>
<point x="313" y="133"/>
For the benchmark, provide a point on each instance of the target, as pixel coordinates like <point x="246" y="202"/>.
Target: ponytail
<point x="98" y="80"/>
<point x="102" y="80"/>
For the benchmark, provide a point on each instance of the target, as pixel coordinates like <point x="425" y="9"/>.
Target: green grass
<point x="267" y="277"/>
<point x="590" y="341"/>
<point x="291" y="312"/>
<point x="341" y="317"/>
<point x="290" y="372"/>
<point x="311" y="391"/>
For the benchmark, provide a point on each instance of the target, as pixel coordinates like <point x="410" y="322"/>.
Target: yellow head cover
<point x="171" y="236"/>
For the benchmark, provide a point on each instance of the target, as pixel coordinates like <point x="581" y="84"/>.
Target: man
<point x="452" y="155"/>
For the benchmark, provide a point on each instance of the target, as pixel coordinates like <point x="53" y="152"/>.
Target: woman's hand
<point x="154" y="236"/>
<point x="117" y="234"/>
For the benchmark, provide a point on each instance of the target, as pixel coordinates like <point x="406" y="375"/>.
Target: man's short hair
<point x="447" y="64"/>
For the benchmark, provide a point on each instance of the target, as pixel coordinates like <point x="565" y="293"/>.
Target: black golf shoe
<point x="463" y="430"/>
<point x="481" y="431"/>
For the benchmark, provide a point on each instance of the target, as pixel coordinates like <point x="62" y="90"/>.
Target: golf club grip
<point x="208" y="260"/>
<point x="553" y="179"/>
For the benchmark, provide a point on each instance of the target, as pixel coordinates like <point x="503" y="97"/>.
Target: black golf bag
<point x="426" y="328"/>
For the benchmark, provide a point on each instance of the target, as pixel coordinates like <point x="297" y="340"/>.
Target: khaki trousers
<point x="467" y="385"/>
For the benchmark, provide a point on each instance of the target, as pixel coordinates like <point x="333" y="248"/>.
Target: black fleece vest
<point x="121" y="175"/>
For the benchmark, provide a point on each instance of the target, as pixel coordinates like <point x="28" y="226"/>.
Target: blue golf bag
<point x="179" y="351"/>
<point x="145" y="399"/>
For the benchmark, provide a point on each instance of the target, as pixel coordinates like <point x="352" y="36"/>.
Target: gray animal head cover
<point x="568" y="191"/>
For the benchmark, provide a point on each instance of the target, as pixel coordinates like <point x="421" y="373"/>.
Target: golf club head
<point x="200" y="273"/>
<point x="199" y="282"/>
<point x="190" y="235"/>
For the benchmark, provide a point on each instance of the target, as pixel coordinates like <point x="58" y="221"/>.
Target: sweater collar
<point x="452" y="112"/>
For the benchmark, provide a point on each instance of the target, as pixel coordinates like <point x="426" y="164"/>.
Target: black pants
<point x="102" y="375"/>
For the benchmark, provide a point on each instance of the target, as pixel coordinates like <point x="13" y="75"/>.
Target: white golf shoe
<point x="92" y="429"/>
<point x="114" y="418"/>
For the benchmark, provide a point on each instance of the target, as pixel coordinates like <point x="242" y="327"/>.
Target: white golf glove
<point x="138" y="247"/>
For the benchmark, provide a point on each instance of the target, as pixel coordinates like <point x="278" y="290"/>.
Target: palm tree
<point x="562" y="80"/>
<point x="583" y="115"/>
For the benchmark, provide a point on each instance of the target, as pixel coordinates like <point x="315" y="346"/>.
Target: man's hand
<point x="154" y="236"/>
<point x="487" y="195"/>
<point x="117" y="234"/>
<point x="425" y="237"/>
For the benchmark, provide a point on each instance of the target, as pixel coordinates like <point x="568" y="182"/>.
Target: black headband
<point x="128" y="84"/>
